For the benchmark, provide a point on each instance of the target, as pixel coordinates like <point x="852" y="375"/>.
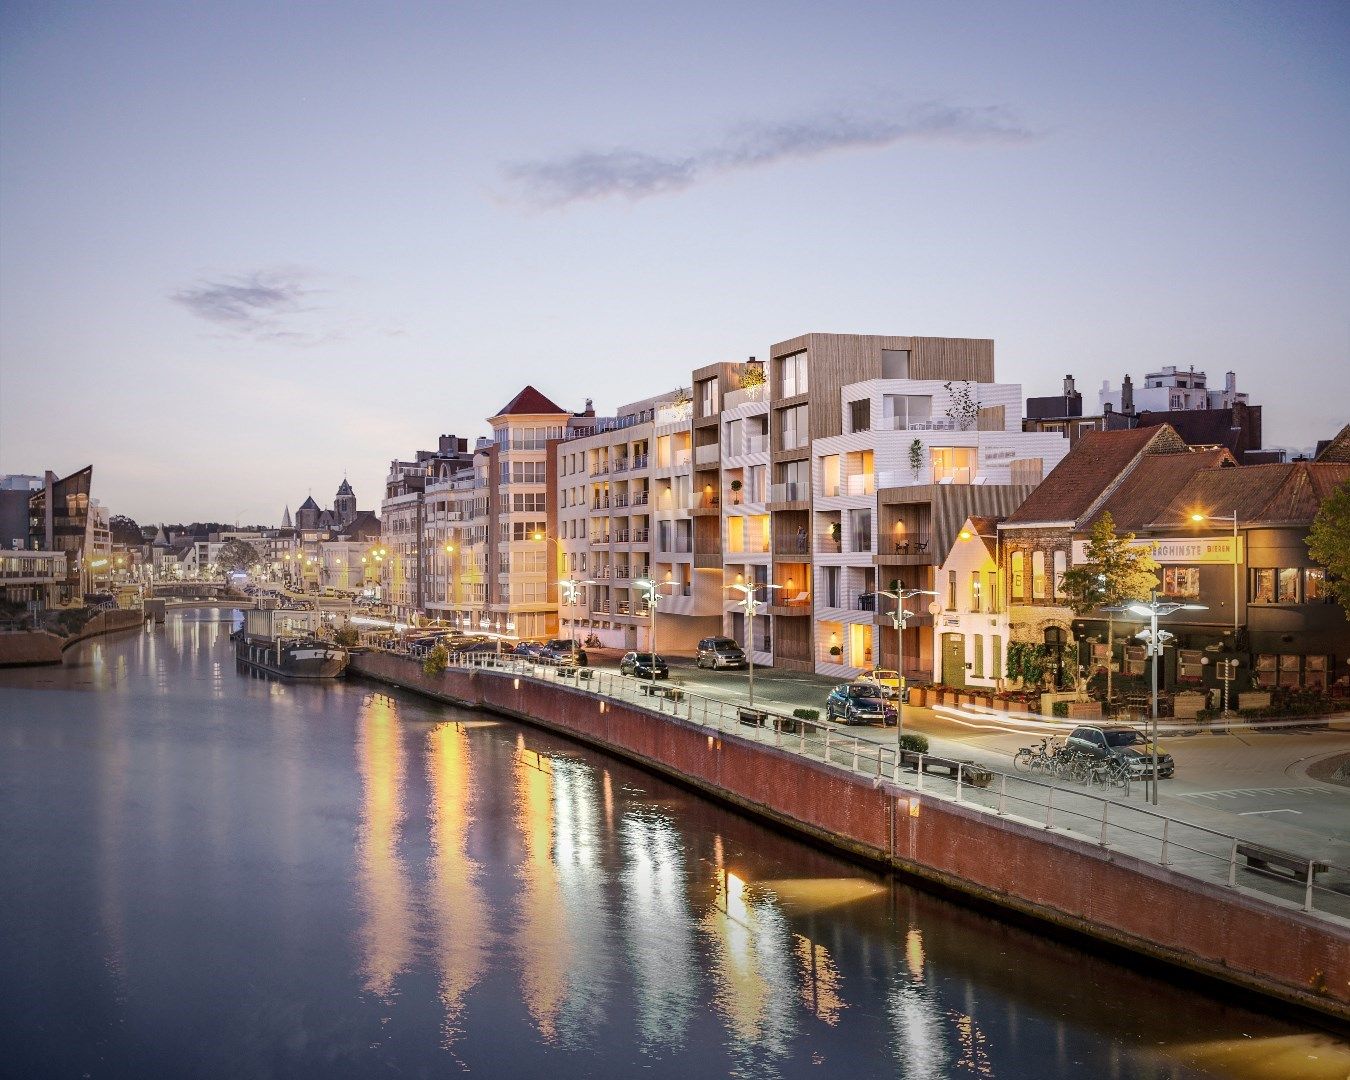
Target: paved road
<point x="1254" y="784"/>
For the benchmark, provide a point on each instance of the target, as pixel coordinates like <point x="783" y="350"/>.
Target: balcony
<point x="621" y="536"/>
<point x="792" y="545"/>
<point x="681" y="459"/>
<point x="600" y="468"/>
<point x="600" y="503"/>
<point x="793" y="492"/>
<point x="639" y="498"/>
<point x="732" y="398"/>
<point x="620" y="501"/>
<point x="640" y="536"/>
<point x="937" y="423"/>
<point x="706" y="455"/>
<point x="619" y="465"/>
<point x="754" y="444"/>
<point x="862" y="541"/>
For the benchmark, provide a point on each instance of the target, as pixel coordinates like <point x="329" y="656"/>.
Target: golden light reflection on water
<point x="754" y="988"/>
<point x="386" y="930"/>
<point x="460" y="924"/>
<point x="820" y="981"/>
<point x="543" y="945"/>
<point x="1311" y="1056"/>
<point x="808" y="896"/>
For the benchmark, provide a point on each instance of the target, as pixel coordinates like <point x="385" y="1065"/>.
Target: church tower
<point x="344" y="505"/>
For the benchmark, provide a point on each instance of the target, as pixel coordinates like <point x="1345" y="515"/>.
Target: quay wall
<point x="25" y="648"/>
<point x="1108" y="895"/>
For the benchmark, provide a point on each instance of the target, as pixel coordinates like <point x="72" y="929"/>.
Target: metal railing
<point x="1113" y="824"/>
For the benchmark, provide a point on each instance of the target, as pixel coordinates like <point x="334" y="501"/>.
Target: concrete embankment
<point x="1060" y="879"/>
<point x="29" y="647"/>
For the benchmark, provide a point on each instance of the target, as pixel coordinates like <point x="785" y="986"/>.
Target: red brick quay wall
<point x="1108" y="895"/>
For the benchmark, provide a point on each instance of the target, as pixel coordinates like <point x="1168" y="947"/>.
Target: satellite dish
<point x="934" y="608"/>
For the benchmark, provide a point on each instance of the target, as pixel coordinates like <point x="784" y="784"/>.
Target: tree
<point x="125" y="531"/>
<point x="1329" y="543"/>
<point x="436" y="662"/>
<point x="1115" y="572"/>
<point x="236" y="556"/>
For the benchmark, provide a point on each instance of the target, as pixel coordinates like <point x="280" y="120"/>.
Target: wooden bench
<point x="975" y="775"/>
<point x="752" y="717"/>
<point x="1263" y="858"/>
<point x="674" y="693"/>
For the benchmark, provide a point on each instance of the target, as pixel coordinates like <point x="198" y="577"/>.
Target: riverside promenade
<point x="1154" y="885"/>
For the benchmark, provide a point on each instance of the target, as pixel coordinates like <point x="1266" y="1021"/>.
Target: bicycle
<point x="1111" y="773"/>
<point x="1035" y="758"/>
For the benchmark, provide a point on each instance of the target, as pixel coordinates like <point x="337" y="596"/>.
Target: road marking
<point x="1238" y="793"/>
<point x="1249" y="813"/>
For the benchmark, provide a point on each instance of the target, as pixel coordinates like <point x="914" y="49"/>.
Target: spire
<point x="286" y="518"/>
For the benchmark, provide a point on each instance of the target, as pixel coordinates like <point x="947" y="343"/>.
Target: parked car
<point x="565" y="652"/>
<point x="528" y="649"/>
<point x="1123" y="743"/>
<point x="889" y="681"/>
<point x="643" y="665"/>
<point x="859" y="703"/>
<point x="720" y="652"/>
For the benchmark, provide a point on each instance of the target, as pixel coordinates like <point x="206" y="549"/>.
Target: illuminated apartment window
<point x="1038" y="575"/>
<point x="953" y="464"/>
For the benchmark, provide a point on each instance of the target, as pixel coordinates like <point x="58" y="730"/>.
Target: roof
<point x="309" y="504"/>
<point x="1232" y="427"/>
<point x="984" y="528"/>
<point x="362" y="527"/>
<point x="1336" y="449"/>
<point x="529" y="402"/>
<point x="1090" y="469"/>
<point x="1153" y="483"/>
<point x="1288" y="494"/>
<point x="345" y="488"/>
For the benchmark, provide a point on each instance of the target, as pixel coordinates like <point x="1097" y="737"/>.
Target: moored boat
<point x="285" y="642"/>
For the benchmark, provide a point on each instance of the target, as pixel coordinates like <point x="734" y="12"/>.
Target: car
<point x="565" y="652"/>
<point x="1123" y="743"/>
<point x="528" y="649"/>
<point x="858" y="703"/>
<point x="643" y="665"/>
<point x="720" y="652"/>
<point x="889" y="681"/>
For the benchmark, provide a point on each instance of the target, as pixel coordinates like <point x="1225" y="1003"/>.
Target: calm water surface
<point x="207" y="874"/>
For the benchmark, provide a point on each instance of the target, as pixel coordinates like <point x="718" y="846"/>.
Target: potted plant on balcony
<point x="916" y="456"/>
<point x="736" y="486"/>
<point x="836" y="651"/>
<point x="835" y="532"/>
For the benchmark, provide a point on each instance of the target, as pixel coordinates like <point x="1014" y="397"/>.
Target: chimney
<point x="1127" y="395"/>
<point x="1068" y="386"/>
<point x="1229" y="382"/>
<point x="590" y="407"/>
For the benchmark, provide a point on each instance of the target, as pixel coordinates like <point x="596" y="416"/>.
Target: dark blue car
<point x="859" y="703"/>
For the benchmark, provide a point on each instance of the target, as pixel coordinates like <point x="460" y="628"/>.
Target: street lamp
<point x="751" y="608"/>
<point x="571" y="587"/>
<point x="1153" y="610"/>
<point x="898" y="619"/>
<point x="1198" y="517"/>
<point x="651" y="593"/>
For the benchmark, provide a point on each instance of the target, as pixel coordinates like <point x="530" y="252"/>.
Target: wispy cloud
<point x="257" y="304"/>
<point x="636" y="174"/>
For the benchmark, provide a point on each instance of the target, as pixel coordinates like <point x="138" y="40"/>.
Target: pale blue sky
<point x="248" y="247"/>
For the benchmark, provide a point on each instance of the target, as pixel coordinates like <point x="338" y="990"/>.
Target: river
<point x="209" y="874"/>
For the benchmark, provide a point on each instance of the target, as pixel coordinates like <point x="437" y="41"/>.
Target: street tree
<point x="236" y="556"/>
<point x="1329" y="543"/>
<point x="1115" y="571"/>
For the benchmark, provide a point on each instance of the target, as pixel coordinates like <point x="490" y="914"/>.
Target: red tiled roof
<point x="529" y="402"/>
<point x="1288" y="494"/>
<point x="1090" y="468"/>
<point x="1337" y="448"/>
<point x="1153" y="483"/>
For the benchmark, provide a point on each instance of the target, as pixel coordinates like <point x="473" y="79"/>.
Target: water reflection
<point x="461" y="932"/>
<point x="386" y="932"/>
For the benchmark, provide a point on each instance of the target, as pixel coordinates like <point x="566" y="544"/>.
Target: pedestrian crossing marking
<point x="1240" y="793"/>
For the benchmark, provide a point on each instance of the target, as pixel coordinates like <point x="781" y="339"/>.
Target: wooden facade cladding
<point x="949" y="505"/>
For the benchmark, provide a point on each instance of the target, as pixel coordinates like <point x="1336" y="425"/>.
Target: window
<point x="974" y="590"/>
<point x="1263" y="586"/>
<point x="1315" y="586"/>
<point x="524" y="530"/>
<point x="900" y="412"/>
<point x="895" y="363"/>
<point x="953" y="464"/>
<point x="1038" y="575"/>
<point x="1286" y="590"/>
<point x="996" y="656"/>
<point x="792" y="428"/>
<point x="991" y="591"/>
<point x="1061" y="565"/>
<point x="792" y="376"/>
<point x="951" y="590"/>
<point x="979" y="656"/>
<point x="1181" y="581"/>
<point x="530" y="502"/>
<point x="1018" y="576"/>
<point x="860" y="416"/>
<point x="707" y="397"/>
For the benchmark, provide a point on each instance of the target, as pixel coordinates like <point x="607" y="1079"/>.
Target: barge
<point x="285" y="642"/>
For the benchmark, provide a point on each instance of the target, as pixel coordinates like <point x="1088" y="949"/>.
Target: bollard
<point x="827" y="744"/>
<point x="801" y="741"/>
<point x="777" y="732"/>
<point x="919" y="770"/>
<point x="1002" y="794"/>
<point x="959" y="767"/>
<point x="1049" y="805"/>
<point x="855" y="755"/>
<point x="1232" y="867"/>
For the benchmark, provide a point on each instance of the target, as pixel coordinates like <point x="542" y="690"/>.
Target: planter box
<point x="1187" y="704"/>
<point x="1085" y="710"/>
<point x="1254" y="699"/>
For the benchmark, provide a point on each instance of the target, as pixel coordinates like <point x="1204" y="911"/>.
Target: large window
<point x="1018" y="574"/>
<point x="1181" y="581"/>
<point x="860" y="415"/>
<point x="1286" y="586"/>
<point x="953" y="464"/>
<point x="951" y="590"/>
<point x="792" y="378"/>
<point x="1315" y="586"/>
<point x="895" y="363"/>
<point x="904" y="411"/>
<point x="975" y="590"/>
<point x="793" y="428"/>
<point x="1038" y="575"/>
<point x="1263" y="586"/>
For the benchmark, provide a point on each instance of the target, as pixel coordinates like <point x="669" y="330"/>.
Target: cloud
<point x="255" y="304"/>
<point x="635" y="174"/>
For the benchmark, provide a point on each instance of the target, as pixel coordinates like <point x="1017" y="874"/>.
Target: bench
<point x="1263" y="858"/>
<point x="975" y="775"/>
<point x="674" y="693"/>
<point x="752" y="717"/>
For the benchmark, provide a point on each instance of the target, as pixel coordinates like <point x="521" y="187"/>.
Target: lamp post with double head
<point x="571" y="588"/>
<point x="751" y="608"/>
<point x="1153" y="610"/>
<point x="899" y="617"/>
<point x="651" y="594"/>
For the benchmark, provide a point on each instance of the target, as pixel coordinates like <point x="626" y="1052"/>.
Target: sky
<point x="247" y="249"/>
